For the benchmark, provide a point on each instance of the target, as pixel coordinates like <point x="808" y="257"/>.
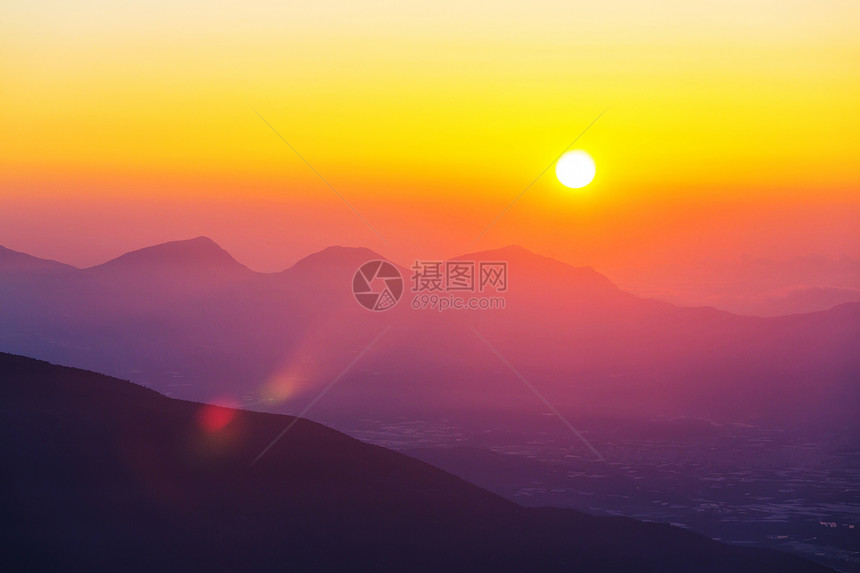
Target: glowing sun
<point x="575" y="169"/>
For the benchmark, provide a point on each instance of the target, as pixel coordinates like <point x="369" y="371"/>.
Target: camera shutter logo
<point x="377" y="285"/>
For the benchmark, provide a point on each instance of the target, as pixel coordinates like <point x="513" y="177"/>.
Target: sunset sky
<point x="732" y="128"/>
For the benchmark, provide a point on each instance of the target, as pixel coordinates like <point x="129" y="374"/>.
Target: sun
<point x="575" y="169"/>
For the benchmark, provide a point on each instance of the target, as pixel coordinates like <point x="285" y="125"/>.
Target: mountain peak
<point x="547" y="270"/>
<point x="500" y="253"/>
<point x="336" y="256"/>
<point x="197" y="253"/>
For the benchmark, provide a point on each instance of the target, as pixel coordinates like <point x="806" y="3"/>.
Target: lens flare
<point x="212" y="418"/>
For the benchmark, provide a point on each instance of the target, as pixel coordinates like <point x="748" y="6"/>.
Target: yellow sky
<point x="737" y="99"/>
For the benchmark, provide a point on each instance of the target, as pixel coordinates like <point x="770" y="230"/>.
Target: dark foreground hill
<point x="102" y="474"/>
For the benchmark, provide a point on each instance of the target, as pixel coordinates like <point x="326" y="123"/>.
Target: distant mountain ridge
<point x="186" y="318"/>
<point x="544" y="272"/>
<point x="14" y="262"/>
<point x="750" y="285"/>
<point x="202" y="253"/>
<point x="197" y="253"/>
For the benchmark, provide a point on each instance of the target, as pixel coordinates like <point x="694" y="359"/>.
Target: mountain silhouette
<point x="187" y="319"/>
<point x="201" y="253"/>
<point x="333" y="258"/>
<point x="546" y="271"/>
<point x="102" y="474"/>
<point x="16" y="264"/>
<point x="751" y="285"/>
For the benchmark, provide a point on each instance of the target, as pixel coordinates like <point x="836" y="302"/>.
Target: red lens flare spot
<point x="214" y="418"/>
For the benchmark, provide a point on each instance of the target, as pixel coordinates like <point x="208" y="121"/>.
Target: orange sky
<point x="732" y="128"/>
